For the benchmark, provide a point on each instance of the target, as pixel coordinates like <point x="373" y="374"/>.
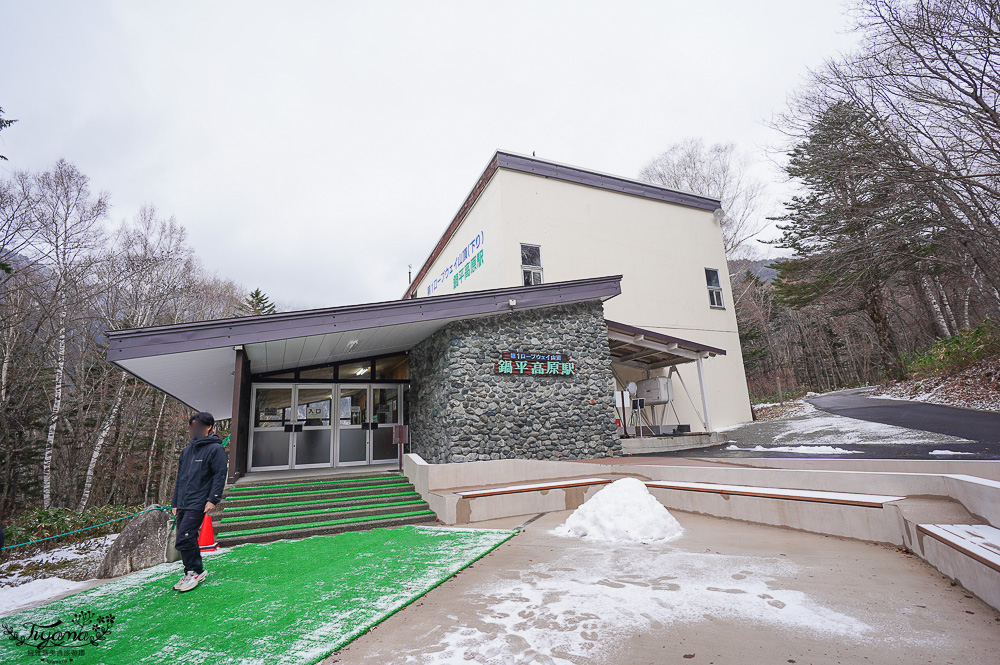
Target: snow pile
<point x="947" y="452"/>
<point x="624" y="511"/>
<point x="804" y="450"/>
<point x="35" y="591"/>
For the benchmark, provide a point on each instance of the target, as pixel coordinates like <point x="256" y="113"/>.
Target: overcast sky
<point x="314" y="150"/>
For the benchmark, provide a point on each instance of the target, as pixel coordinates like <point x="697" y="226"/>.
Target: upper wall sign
<point x="467" y="261"/>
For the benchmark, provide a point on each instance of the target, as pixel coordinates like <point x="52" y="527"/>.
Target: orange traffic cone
<point x="206" y="538"/>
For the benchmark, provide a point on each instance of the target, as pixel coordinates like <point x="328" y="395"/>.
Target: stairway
<point x="262" y="511"/>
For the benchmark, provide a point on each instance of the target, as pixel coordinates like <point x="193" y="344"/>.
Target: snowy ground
<point x="977" y="387"/>
<point x="37" y="577"/>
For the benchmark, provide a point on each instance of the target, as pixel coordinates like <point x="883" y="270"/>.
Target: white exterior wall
<point x="660" y="249"/>
<point x="484" y="221"/>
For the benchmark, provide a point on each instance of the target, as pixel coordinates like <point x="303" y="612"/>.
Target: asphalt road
<point x="980" y="426"/>
<point x="929" y="428"/>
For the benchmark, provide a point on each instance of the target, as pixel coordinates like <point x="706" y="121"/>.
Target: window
<point x="531" y="264"/>
<point x="714" y="288"/>
<point x="393" y="368"/>
<point x="360" y="370"/>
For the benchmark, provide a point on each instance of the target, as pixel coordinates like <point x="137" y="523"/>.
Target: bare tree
<point x="158" y="265"/>
<point x="718" y="171"/>
<point x="68" y="219"/>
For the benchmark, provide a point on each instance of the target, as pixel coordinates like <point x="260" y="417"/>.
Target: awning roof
<point x="648" y="349"/>
<point x="194" y="362"/>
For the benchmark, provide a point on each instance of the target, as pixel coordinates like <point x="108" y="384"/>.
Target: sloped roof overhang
<point x="194" y="362"/>
<point x="648" y="349"/>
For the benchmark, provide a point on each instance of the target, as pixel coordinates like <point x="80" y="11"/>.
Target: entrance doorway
<point x="298" y="426"/>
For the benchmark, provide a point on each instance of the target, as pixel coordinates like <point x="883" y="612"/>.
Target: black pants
<point x="189" y="523"/>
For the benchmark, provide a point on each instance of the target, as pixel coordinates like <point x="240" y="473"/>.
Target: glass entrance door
<point x="298" y="426"/>
<point x="367" y="416"/>
<point x="292" y="427"/>
<point x="387" y="412"/>
<point x="270" y="436"/>
<point x="353" y="424"/>
<point x="312" y="440"/>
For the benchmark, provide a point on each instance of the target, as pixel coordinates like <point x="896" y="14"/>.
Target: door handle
<point x="298" y="428"/>
<point x="289" y="428"/>
<point x="366" y="425"/>
<point x="374" y="425"/>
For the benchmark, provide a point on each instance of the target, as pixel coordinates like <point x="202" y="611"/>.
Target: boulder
<point x="141" y="544"/>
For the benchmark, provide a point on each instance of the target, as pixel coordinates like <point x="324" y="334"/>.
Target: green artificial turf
<point x="313" y="525"/>
<point x="282" y="602"/>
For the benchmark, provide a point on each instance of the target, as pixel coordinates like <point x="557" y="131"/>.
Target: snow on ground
<point x="805" y="450"/>
<point x="622" y="512"/>
<point x="825" y="429"/>
<point x="14" y="598"/>
<point x="780" y="411"/>
<point x="976" y="387"/>
<point x="35" y="578"/>
<point x="947" y="452"/>
<point x="595" y="596"/>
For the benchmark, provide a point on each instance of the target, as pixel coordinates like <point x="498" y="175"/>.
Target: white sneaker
<point x="184" y="579"/>
<point x="191" y="582"/>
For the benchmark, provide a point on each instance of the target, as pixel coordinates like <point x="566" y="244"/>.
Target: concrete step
<point x="324" y="527"/>
<point x="311" y="492"/>
<point x="354" y="477"/>
<point x="320" y="482"/>
<point x="239" y="509"/>
<point x="254" y="521"/>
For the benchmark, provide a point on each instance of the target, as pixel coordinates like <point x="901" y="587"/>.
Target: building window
<point x="714" y="288"/>
<point x="531" y="264"/>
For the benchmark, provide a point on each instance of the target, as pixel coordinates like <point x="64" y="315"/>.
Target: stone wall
<point x="461" y="410"/>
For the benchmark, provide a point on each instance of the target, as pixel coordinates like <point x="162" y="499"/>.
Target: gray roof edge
<point x="549" y="169"/>
<point x="217" y="333"/>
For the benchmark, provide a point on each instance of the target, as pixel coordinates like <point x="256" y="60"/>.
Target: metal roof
<point x="194" y="362"/>
<point x="648" y="349"/>
<point x="548" y="169"/>
<point x="613" y="183"/>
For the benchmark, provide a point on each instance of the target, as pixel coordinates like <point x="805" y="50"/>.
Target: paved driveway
<point x="980" y="426"/>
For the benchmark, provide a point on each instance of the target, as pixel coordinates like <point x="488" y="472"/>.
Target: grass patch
<point x="953" y="354"/>
<point x="281" y="602"/>
<point x="41" y="523"/>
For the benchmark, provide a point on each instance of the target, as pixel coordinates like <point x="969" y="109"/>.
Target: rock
<point x="141" y="544"/>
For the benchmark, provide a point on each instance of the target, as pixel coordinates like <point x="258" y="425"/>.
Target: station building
<point x="563" y="314"/>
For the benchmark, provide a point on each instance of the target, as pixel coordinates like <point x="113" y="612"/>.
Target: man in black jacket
<point x="201" y="477"/>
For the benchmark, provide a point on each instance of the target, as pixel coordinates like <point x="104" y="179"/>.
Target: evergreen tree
<point x="856" y="228"/>
<point x="257" y="303"/>
<point x="4" y="124"/>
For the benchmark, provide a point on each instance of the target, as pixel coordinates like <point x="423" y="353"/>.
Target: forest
<point x="890" y="244"/>
<point x="892" y="241"/>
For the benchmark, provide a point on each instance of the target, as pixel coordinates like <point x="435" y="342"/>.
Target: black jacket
<point x="201" y="474"/>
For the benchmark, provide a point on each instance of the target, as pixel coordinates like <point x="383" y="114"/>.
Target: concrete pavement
<point x="727" y="592"/>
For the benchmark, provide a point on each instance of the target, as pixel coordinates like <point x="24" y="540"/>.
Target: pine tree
<point x="257" y="303"/>
<point x="4" y="124"/>
<point x="856" y="228"/>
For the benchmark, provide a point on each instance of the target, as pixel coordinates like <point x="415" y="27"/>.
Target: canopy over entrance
<point x="200" y="363"/>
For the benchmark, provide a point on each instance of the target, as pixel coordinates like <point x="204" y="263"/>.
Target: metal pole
<point x="704" y="394"/>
